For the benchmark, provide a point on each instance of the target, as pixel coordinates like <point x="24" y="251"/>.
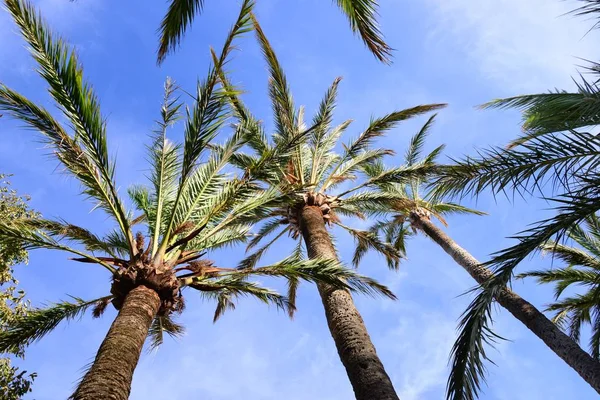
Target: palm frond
<point x="39" y="322"/>
<point x="554" y="112"/>
<point x="180" y="14"/>
<point x="60" y="68"/>
<point x="369" y="240"/>
<point x="362" y="17"/>
<point x="417" y="142"/>
<point x="559" y="158"/>
<point x="164" y="163"/>
<point x="323" y="271"/>
<point x="589" y="8"/>
<point x="236" y="286"/>
<point x="377" y="128"/>
<point x="279" y="91"/>
<point x="468" y="352"/>
<point x="207" y="116"/>
<point x="26" y="234"/>
<point x="160" y="325"/>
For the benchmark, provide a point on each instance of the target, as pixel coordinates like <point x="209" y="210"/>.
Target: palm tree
<point x="315" y="172"/>
<point x="362" y="15"/>
<point x="583" y="269"/>
<point x="418" y="211"/>
<point x="191" y="207"/>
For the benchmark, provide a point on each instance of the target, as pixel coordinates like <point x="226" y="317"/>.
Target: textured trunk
<point x="534" y="320"/>
<point x="111" y="373"/>
<point x="364" y="368"/>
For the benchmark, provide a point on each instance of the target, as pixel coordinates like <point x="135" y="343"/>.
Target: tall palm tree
<point x="191" y="207"/>
<point x="362" y="15"/>
<point x="317" y="173"/>
<point x="418" y="211"/>
<point x="582" y="270"/>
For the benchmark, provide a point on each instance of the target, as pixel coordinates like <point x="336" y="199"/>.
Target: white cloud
<point x="522" y="45"/>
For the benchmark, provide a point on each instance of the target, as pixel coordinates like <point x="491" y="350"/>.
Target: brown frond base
<point x="162" y="281"/>
<point x="310" y="199"/>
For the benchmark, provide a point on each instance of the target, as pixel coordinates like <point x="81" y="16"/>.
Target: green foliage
<point x="361" y="14"/>
<point x="13" y="383"/>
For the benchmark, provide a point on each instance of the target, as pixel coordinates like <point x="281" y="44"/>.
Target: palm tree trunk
<point x="364" y="368"/>
<point x="112" y="371"/>
<point x="565" y="347"/>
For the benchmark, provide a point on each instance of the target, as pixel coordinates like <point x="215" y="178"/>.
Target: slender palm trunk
<point x="565" y="347"/>
<point x="112" y="371"/>
<point x="364" y="368"/>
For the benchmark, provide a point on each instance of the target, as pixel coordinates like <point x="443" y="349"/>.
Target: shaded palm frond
<point x="369" y="240"/>
<point x="468" y="353"/>
<point x="236" y="286"/>
<point x="160" y="325"/>
<point x="174" y="24"/>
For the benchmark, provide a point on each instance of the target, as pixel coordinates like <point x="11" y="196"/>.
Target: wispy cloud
<point x="522" y="45"/>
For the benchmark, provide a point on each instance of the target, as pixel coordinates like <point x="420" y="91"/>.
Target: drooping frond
<point x="30" y="234"/>
<point x="163" y="324"/>
<point x="236" y="286"/>
<point x="563" y="277"/>
<point x="362" y="15"/>
<point x="180" y="14"/>
<point x="39" y="322"/>
<point x="60" y="68"/>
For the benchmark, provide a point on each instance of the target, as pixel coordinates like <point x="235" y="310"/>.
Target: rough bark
<point x="364" y="368"/>
<point x="112" y="371"/>
<point x="565" y="347"/>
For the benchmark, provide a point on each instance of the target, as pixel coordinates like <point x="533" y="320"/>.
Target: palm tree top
<point x="314" y="173"/>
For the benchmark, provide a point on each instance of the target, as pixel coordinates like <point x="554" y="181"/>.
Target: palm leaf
<point x="362" y="17"/>
<point x="160" y="325"/>
<point x="39" y="322"/>
<point x="60" y="68"/>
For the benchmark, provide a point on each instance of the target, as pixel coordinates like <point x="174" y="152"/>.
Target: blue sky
<point x="456" y="51"/>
